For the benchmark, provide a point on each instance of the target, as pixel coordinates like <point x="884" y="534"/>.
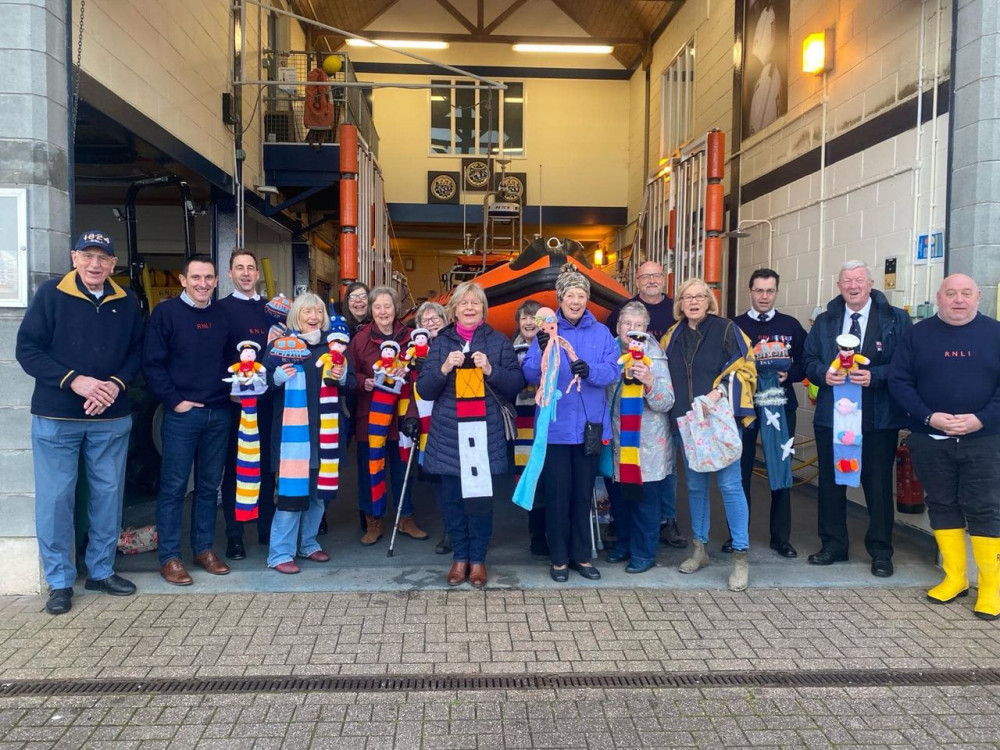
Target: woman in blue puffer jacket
<point x="568" y="473"/>
<point x="469" y="369"/>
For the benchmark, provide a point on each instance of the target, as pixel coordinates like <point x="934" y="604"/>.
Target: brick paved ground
<point x="510" y="632"/>
<point x="571" y="720"/>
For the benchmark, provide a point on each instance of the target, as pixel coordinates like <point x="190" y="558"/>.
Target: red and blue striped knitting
<point x="379" y="418"/>
<point x="247" y="461"/>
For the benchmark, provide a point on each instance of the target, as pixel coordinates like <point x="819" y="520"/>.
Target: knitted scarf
<point x="630" y="428"/>
<point x="247" y="461"/>
<point x="546" y="397"/>
<point x="424" y="408"/>
<point x="524" y="410"/>
<point x="379" y="419"/>
<point x="473" y="452"/>
<point x="293" y="466"/>
<point x="329" y="442"/>
<point x="402" y="406"/>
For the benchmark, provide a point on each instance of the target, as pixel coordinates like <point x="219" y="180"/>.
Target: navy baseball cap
<point x="96" y="239"/>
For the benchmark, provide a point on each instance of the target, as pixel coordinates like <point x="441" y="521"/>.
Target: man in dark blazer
<point x="867" y="314"/>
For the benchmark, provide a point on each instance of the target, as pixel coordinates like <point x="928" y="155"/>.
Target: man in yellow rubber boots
<point x="946" y="374"/>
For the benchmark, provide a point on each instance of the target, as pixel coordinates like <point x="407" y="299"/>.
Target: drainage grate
<point x="430" y="683"/>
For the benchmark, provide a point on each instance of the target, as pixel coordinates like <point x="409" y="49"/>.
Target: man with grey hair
<point x="863" y="312"/>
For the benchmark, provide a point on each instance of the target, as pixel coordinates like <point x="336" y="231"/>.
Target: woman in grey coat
<point x="635" y="492"/>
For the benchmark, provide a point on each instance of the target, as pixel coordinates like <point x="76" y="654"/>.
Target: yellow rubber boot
<point x="986" y="550"/>
<point x="951" y="542"/>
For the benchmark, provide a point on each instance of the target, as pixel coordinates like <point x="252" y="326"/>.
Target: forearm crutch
<point x="415" y="448"/>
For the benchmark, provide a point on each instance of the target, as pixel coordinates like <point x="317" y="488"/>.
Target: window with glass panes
<point x="476" y="121"/>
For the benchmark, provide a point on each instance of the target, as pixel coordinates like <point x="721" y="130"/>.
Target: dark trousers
<point x="537" y="523"/>
<point x="781" y="500"/>
<point x="636" y="510"/>
<point x="265" y="503"/>
<point x="469" y="522"/>
<point x="568" y="477"/>
<point x="878" y="459"/>
<point x="961" y="477"/>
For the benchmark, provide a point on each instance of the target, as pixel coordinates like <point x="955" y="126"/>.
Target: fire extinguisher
<point x="909" y="491"/>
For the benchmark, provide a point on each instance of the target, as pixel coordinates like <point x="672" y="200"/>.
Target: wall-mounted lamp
<point x="817" y="52"/>
<point x="269" y="189"/>
<point x="598" y="257"/>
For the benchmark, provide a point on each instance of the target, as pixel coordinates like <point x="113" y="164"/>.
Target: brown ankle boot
<point x="477" y="575"/>
<point x="457" y="574"/>
<point x="409" y="527"/>
<point x="374" y="530"/>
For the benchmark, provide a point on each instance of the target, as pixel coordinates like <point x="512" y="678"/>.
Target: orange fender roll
<point x="713" y="260"/>
<point x="348" y="258"/>
<point x="348" y="202"/>
<point x="348" y="149"/>
<point x="713" y="207"/>
<point x="716" y="167"/>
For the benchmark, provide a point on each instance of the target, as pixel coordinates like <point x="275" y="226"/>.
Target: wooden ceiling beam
<point x="496" y="38"/>
<point x="507" y="13"/>
<point x="458" y="16"/>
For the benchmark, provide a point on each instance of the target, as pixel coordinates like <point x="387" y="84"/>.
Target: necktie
<point x="762" y="317"/>
<point x="855" y="325"/>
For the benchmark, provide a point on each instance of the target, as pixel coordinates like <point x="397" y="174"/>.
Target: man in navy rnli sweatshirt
<point x="946" y="374"/>
<point x="184" y="361"/>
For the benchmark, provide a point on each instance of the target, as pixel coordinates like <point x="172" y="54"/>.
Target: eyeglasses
<point x="357" y="297"/>
<point x="763" y="292"/>
<point x="431" y="318"/>
<point x="103" y="258"/>
<point x="648" y="276"/>
<point x="694" y="298"/>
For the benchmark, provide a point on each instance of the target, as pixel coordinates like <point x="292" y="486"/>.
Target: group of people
<point x="567" y="399"/>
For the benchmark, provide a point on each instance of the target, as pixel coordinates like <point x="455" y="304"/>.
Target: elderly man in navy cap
<point x="81" y="340"/>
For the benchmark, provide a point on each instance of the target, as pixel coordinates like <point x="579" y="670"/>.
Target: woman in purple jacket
<point x="569" y="472"/>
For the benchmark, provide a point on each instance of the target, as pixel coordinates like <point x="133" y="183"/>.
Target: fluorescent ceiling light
<point x="576" y="49"/>
<point x="400" y="43"/>
<point x="513" y="100"/>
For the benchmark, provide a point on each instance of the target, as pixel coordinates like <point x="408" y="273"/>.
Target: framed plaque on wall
<point x="13" y="247"/>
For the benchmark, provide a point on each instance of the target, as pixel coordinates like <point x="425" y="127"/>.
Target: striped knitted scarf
<point x="524" y="409"/>
<point x="247" y="461"/>
<point x="293" y="466"/>
<point x="402" y="406"/>
<point x="379" y="418"/>
<point x="329" y="442"/>
<point x="474" y="454"/>
<point x="630" y="422"/>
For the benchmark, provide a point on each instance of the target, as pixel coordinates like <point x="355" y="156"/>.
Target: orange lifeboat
<point x="532" y="275"/>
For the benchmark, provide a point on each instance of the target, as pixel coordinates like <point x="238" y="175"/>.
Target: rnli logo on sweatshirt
<point x="202" y="326"/>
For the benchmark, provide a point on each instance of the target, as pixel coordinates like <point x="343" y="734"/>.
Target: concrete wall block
<point x="38" y="72"/>
<point x="835" y="207"/>
<point x="34" y="26"/>
<point x="21" y="573"/>
<point x="798" y="192"/>
<point x="49" y="253"/>
<point x="897" y="243"/>
<point x="796" y="292"/>
<point x="809" y="217"/>
<point x="877" y="221"/>
<point x="18" y="513"/>
<point x="15" y="428"/>
<point x="16" y="469"/>
<point x="847" y="228"/>
<point x="17" y="387"/>
<point x="880" y="96"/>
<point x="975" y="102"/>
<point x="879" y="159"/>
<point x="33" y="162"/>
<point x="844" y="174"/>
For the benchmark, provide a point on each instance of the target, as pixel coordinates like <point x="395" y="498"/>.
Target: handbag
<point x="507" y="414"/>
<point x="709" y="435"/>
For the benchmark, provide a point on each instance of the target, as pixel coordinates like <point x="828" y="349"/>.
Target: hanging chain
<point x="76" y="73"/>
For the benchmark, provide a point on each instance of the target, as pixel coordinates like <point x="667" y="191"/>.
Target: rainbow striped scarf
<point x="329" y="442"/>
<point x="379" y="418"/>
<point x="293" y="466"/>
<point x="630" y="428"/>
<point x="473" y="452"/>
<point x="247" y="461"/>
<point x="524" y="409"/>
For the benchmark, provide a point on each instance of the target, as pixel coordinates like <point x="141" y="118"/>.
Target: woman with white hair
<point x="570" y="466"/>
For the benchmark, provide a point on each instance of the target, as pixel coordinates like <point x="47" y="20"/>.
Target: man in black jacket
<point x="867" y="314"/>
<point x="81" y="340"/>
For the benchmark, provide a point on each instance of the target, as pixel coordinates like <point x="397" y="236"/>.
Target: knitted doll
<point x="636" y="353"/>
<point x="246" y="377"/>
<point x="848" y="360"/>
<point x="277" y="310"/>
<point x="337" y="341"/>
<point x="388" y="375"/>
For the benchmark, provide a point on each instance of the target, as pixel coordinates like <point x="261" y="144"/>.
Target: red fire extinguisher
<point x="909" y="491"/>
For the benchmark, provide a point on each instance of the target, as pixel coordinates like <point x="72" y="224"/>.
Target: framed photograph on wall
<point x="512" y="186"/>
<point x="13" y="247"/>
<point x="765" y="63"/>
<point x="476" y="173"/>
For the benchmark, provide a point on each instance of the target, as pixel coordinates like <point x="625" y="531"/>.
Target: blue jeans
<point x="735" y="502"/>
<point x="294" y="531"/>
<point x="469" y="522"/>
<point x="57" y="445"/>
<point x="395" y="471"/>
<point x="665" y="494"/>
<point x="636" y="510"/>
<point x="198" y="438"/>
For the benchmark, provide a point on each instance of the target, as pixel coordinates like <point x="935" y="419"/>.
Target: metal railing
<point x="284" y="100"/>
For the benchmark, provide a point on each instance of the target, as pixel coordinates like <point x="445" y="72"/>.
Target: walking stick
<point x="399" y="506"/>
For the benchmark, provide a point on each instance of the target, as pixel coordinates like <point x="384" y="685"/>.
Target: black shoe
<point x="559" y="576"/>
<point x="322" y="526"/>
<point x="727" y="547"/>
<point x="670" y="534"/>
<point x="784" y="549"/>
<point x="235" y="549"/>
<point x="60" y="601"/>
<point x="825" y="557"/>
<point x="616" y="556"/>
<point x="882" y="567"/>
<point x="587" y="571"/>
<point x="113" y="584"/>
<point x="443" y="547"/>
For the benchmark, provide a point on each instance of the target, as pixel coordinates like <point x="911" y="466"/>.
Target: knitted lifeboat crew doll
<point x="247" y="385"/>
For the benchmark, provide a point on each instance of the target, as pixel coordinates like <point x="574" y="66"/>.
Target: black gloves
<point x="410" y="427"/>
<point x="580" y="368"/>
<point x="543" y="340"/>
<point x="415" y="364"/>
